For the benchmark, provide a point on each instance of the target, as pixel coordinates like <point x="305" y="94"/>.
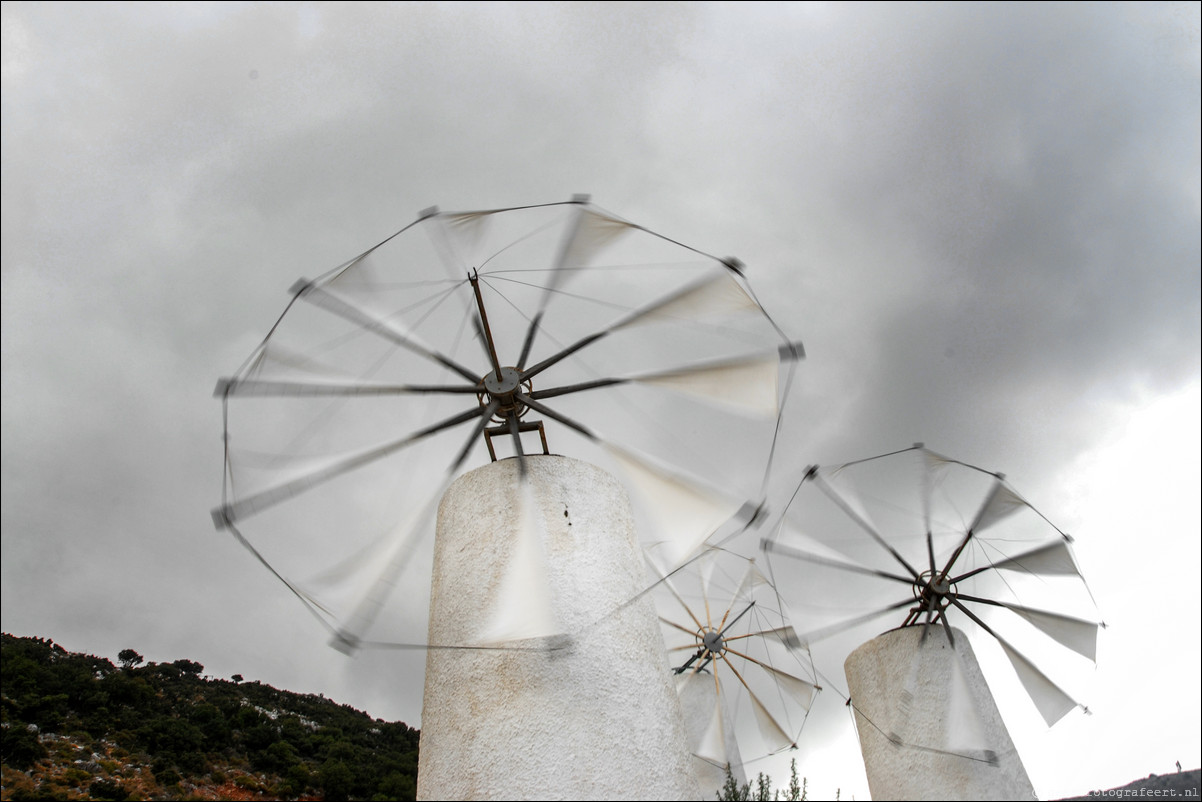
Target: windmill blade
<point x="589" y="232"/>
<point x="933" y="467"/>
<point x="524" y="607"/>
<point x="705" y="569"/>
<point x="552" y="285"/>
<point x="860" y="517"/>
<point x="786" y="636"/>
<point x="1051" y="701"/>
<point x="712" y="745"/>
<point x="274" y="356"/>
<point x="388" y="329"/>
<point x="229" y="513"/>
<point x="965" y="731"/>
<point x="349" y="638"/>
<point x="842" y="626"/>
<point x="528" y="343"/>
<point x="1000" y="503"/>
<point x="1072" y="633"/>
<point x="262" y="388"/>
<point x="717" y="295"/>
<point x="684" y="629"/>
<point x="747" y="384"/>
<point x="1051" y="559"/>
<point x="770" y="729"/>
<point x="789" y="551"/>
<point x="686" y="512"/>
<point x="801" y="690"/>
<point x="543" y="409"/>
<point x="752" y="579"/>
<point x="665" y="579"/>
<point x="457" y="237"/>
<point x="927" y="490"/>
<point x="1054" y="559"/>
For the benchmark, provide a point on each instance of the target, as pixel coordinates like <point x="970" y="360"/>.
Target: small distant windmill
<point x="553" y="327"/>
<point x="937" y="543"/>
<point x="746" y="683"/>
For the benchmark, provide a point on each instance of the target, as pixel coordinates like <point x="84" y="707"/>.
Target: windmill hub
<point x="713" y="642"/>
<point x="500" y="386"/>
<point x="504" y="383"/>
<point x="928" y="585"/>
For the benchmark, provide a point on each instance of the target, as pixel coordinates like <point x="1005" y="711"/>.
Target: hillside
<point x="76" y="726"/>
<point x="1183" y="785"/>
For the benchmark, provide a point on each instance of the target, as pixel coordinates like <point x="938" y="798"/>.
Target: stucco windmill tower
<point x="509" y="338"/>
<point x="938" y="544"/>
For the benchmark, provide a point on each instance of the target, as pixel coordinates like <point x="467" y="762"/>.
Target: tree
<point x="336" y="780"/>
<point x="189" y="667"/>
<point x="762" y="792"/>
<point x="129" y="658"/>
<point x="797" y="791"/>
<point x="21" y="747"/>
<point x="731" y="792"/>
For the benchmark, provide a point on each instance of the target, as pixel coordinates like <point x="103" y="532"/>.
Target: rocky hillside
<point x="76" y="726"/>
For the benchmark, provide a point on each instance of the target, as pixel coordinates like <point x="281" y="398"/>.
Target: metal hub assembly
<point x="713" y="642"/>
<point x="500" y="390"/>
<point x="502" y="387"/>
<point x="928" y="585"/>
<point x="934" y="592"/>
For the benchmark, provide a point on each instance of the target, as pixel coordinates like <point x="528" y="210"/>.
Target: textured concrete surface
<point x="928" y="725"/>
<point x="597" y="720"/>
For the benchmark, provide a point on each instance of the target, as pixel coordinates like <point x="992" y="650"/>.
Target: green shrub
<point x="20" y="747"/>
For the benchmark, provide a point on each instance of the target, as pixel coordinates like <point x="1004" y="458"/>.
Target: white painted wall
<point x="600" y="720"/>
<point x="937" y="704"/>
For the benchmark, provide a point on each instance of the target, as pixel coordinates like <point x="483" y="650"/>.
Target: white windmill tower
<point x="935" y="541"/>
<point x="554" y="324"/>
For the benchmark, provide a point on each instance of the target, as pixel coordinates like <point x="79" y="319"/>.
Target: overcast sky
<point x="982" y="220"/>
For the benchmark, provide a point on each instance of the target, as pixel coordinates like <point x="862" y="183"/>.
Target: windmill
<point x="746" y="684"/>
<point x="936" y="544"/>
<point x="464" y="337"/>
